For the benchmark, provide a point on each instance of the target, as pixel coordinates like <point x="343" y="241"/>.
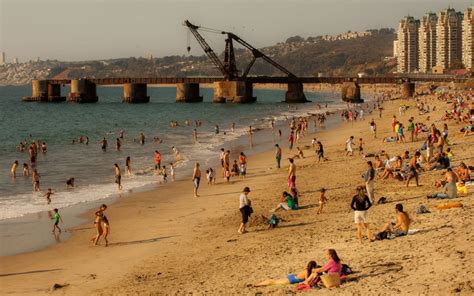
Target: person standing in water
<point x="26" y="170"/>
<point x="35" y="177"/>
<point x="118" y="176"/>
<point x="157" y="161"/>
<point x="118" y="143"/>
<point x="103" y="144"/>
<point x="13" y="170"/>
<point x="56" y="219"/>
<point x="172" y="171"/>
<point x="121" y="134"/>
<point x="196" y="178"/>
<point x="195" y="137"/>
<point x="142" y="138"/>
<point x="128" y="168"/>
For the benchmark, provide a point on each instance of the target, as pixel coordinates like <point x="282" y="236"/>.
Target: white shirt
<point x="243" y="200"/>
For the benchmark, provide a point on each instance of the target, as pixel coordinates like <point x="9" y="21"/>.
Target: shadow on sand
<point x="143" y="241"/>
<point x="30" y="272"/>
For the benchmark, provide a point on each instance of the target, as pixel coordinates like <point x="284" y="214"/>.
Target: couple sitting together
<point x="311" y="276"/>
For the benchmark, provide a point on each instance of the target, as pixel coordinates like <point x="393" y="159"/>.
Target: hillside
<point x="303" y="57"/>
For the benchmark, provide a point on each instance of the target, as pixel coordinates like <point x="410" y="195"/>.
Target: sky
<point x="77" y="30"/>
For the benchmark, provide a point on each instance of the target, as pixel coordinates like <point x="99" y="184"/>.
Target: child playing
<point x="48" y="195"/>
<point x="56" y="219"/>
<point x="163" y="174"/>
<point x="26" y="170"/>
<point x="172" y="171"/>
<point x="322" y="201"/>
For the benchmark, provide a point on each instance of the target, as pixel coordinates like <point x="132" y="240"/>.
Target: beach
<point x="166" y="242"/>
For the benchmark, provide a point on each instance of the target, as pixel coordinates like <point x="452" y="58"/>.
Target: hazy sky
<point x="99" y="29"/>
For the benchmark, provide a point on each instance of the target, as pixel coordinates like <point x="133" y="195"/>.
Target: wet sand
<point x="167" y="242"/>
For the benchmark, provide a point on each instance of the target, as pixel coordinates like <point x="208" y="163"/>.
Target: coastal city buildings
<point x="427" y="42"/>
<point x="443" y="42"/>
<point x="2" y="58"/>
<point x="15" y="60"/>
<point x="467" y="39"/>
<point x="449" y="41"/>
<point x="407" y="55"/>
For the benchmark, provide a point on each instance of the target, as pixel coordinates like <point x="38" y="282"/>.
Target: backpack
<point x="346" y="270"/>
<point x="381" y="235"/>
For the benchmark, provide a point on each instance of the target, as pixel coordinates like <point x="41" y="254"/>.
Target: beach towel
<point x="449" y="205"/>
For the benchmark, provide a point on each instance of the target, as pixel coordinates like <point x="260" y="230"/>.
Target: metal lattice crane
<point x="228" y="67"/>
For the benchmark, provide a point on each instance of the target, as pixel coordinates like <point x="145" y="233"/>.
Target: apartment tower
<point x="468" y="39"/>
<point x="427" y="42"/>
<point x="408" y="45"/>
<point x="449" y="41"/>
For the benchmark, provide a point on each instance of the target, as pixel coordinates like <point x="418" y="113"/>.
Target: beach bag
<point x="331" y="280"/>
<point x="346" y="270"/>
<point x="381" y="235"/>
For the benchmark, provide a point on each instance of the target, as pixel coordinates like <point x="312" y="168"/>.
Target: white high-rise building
<point x="15" y="60"/>
<point x="427" y="43"/>
<point x="449" y="39"/>
<point x="468" y="39"/>
<point x="407" y="55"/>
<point x="2" y="58"/>
<point x="395" y="48"/>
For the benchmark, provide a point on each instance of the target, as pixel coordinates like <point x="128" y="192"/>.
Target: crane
<point x="228" y="67"/>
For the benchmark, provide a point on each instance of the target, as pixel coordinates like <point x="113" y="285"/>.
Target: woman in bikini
<point x="294" y="278"/>
<point x="99" y="220"/>
<point x="106" y="229"/>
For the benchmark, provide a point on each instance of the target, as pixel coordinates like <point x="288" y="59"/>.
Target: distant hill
<point x="303" y="57"/>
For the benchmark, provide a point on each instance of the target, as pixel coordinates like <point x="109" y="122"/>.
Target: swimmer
<point x="118" y="176"/>
<point x="128" y="168"/>
<point x="103" y="144"/>
<point x="26" y="170"/>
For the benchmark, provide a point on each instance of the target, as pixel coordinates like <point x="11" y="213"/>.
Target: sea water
<point x="58" y="124"/>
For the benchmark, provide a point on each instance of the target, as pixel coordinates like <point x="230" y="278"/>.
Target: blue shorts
<point x="293" y="280"/>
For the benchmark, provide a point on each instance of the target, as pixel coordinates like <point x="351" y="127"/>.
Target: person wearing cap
<point x="245" y="209"/>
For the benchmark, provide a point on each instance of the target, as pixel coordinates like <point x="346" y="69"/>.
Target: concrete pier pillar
<point x="39" y="91"/>
<point x="188" y="93"/>
<point x="135" y="93"/>
<point x="295" y="93"/>
<point x="234" y="92"/>
<point x="54" y="93"/>
<point x="350" y="92"/>
<point x="83" y="91"/>
<point x="408" y="89"/>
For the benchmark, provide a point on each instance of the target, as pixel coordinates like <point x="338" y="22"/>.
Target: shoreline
<point x="33" y="224"/>
<point x="148" y="251"/>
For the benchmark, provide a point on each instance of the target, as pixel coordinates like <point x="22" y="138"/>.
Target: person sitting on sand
<point x="299" y="154"/>
<point x="392" y="230"/>
<point x="333" y="266"/>
<point x="463" y="172"/>
<point x="293" y="278"/>
<point x="286" y="202"/>
<point x="442" y="162"/>
<point x="449" y="189"/>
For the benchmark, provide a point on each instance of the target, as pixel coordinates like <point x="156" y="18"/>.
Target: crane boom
<point x="228" y="68"/>
<point x="207" y="49"/>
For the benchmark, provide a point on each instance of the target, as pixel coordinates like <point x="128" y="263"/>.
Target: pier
<point x="237" y="91"/>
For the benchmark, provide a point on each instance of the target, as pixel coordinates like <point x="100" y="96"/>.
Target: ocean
<point x="58" y="124"/>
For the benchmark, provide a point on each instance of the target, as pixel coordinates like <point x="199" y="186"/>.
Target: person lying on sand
<point x="392" y="230"/>
<point x="293" y="278"/>
<point x="333" y="266"/>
